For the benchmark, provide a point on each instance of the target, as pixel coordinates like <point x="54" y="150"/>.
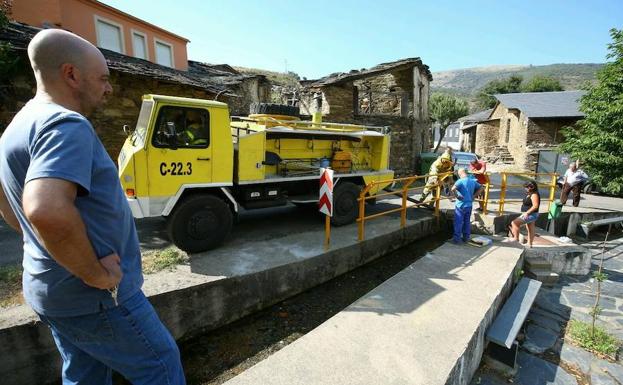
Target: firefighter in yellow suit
<point x="195" y="133"/>
<point x="441" y="165"/>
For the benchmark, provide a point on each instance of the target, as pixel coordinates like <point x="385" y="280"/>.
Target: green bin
<point x="426" y="159"/>
<point x="555" y="208"/>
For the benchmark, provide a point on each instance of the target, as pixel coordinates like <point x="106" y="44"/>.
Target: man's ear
<point x="70" y="75"/>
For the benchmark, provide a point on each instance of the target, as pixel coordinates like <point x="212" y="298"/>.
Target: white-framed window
<point x="164" y="53"/>
<point x="139" y="45"/>
<point x="109" y="34"/>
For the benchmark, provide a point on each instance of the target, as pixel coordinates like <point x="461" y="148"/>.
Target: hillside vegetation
<point x="466" y="82"/>
<point x="283" y="79"/>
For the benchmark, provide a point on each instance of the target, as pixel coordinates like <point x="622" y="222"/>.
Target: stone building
<point x="522" y="124"/>
<point x="467" y="129"/>
<point x="391" y="94"/>
<point x="131" y="78"/>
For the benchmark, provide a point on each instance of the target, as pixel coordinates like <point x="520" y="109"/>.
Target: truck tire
<point x="345" y="203"/>
<point x="273" y="109"/>
<point x="199" y="223"/>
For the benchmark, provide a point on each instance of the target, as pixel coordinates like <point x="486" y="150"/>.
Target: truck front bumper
<point x="135" y="206"/>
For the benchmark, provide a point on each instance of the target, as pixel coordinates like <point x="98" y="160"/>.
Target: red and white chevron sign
<point x="325" y="202"/>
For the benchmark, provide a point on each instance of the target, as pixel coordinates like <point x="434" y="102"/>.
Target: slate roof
<point x="560" y="104"/>
<point x="477" y="117"/>
<point x="214" y="79"/>
<point x="343" y="77"/>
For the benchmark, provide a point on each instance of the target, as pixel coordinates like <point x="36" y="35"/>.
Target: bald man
<point x="82" y="261"/>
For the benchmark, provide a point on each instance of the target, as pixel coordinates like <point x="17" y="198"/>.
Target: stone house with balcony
<point x="393" y="94"/>
<point x="522" y="124"/>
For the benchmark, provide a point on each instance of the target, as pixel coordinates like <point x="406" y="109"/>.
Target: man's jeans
<point x="129" y="339"/>
<point x="462" y="224"/>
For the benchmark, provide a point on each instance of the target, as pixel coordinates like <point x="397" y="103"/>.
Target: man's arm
<point x="49" y="206"/>
<point x="7" y="212"/>
<point x="456" y="192"/>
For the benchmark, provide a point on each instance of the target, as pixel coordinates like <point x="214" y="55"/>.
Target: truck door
<point x="180" y="152"/>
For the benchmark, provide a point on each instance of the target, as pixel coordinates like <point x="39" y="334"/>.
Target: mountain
<point x="466" y="82"/>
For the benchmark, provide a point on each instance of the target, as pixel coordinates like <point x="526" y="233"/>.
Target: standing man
<point x="478" y="168"/>
<point x="465" y="188"/>
<point x="573" y="182"/>
<point x="82" y="261"/>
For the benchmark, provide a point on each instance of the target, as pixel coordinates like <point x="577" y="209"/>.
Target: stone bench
<point x="588" y="226"/>
<point x="506" y="326"/>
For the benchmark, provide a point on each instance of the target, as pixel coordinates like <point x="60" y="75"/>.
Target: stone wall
<point x="384" y="96"/>
<point x="487" y="137"/>
<point x="543" y="134"/>
<point x="548" y="131"/>
<point x="403" y="155"/>
<point x="515" y="139"/>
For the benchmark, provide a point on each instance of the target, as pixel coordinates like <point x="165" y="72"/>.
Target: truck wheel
<point x="273" y="109"/>
<point x="345" y="203"/>
<point x="200" y="223"/>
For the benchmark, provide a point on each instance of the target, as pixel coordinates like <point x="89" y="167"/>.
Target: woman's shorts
<point x="531" y="218"/>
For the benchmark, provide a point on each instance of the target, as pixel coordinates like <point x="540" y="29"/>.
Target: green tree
<point x="498" y="86"/>
<point x="541" y="84"/>
<point x="9" y="61"/>
<point x="598" y="138"/>
<point x="445" y="109"/>
<point x="4" y="6"/>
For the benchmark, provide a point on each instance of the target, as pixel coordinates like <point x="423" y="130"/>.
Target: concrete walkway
<point x="423" y="326"/>
<point x="546" y="357"/>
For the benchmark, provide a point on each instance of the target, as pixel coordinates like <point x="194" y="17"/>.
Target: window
<point x="179" y="127"/>
<point x="508" y="130"/>
<point x="164" y="53"/>
<point x="109" y="35"/>
<point x="139" y="45"/>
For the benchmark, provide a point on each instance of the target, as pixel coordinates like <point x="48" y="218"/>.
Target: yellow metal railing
<point x="407" y="186"/>
<point x="504" y="186"/>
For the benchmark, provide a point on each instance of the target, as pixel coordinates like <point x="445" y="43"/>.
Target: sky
<point x="317" y="37"/>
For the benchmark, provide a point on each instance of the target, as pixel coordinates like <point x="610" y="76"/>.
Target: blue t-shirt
<point x="466" y="187"/>
<point x="46" y="140"/>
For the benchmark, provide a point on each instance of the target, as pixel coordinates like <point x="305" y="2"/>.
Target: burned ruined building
<point x="393" y="95"/>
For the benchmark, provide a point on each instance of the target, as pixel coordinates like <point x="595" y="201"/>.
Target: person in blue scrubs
<point x="464" y="189"/>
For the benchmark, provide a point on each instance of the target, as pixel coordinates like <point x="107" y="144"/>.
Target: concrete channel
<point x="426" y="325"/>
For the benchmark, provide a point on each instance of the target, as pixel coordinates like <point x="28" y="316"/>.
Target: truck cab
<point x="178" y="144"/>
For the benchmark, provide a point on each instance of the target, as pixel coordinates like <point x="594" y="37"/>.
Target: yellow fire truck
<point x="188" y="161"/>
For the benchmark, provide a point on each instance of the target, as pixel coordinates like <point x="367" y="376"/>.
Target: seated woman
<point x="529" y="212"/>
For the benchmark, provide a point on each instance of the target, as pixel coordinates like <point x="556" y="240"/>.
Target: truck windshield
<point x="141" y="125"/>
